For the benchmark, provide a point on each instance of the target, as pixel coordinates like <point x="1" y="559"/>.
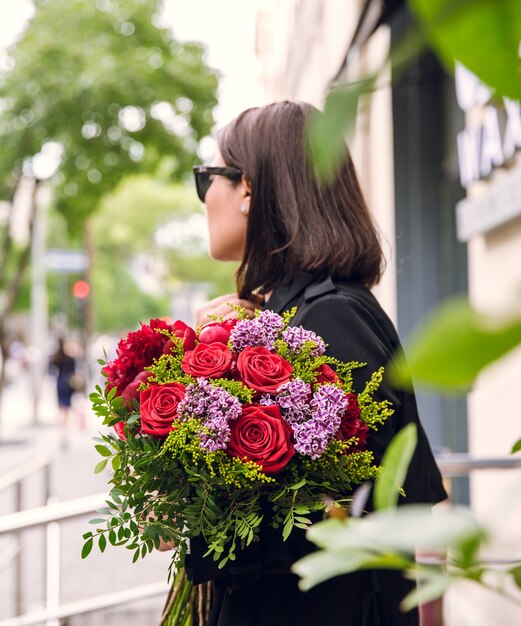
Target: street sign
<point x="66" y="261"/>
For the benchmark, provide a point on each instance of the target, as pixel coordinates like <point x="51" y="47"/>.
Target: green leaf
<point x="385" y="539"/>
<point x="103" y="451"/>
<point x="298" y="485"/>
<point x="395" y="464"/>
<point x="517" y="446"/>
<point x="286" y="531"/>
<point x="453" y="345"/>
<point x="87" y="547"/>
<point x="100" y="466"/>
<point x="399" y="530"/>
<point x="484" y="35"/>
<point x="102" y="543"/>
<point x="320" y="566"/>
<point x="427" y="590"/>
<point x="327" y="132"/>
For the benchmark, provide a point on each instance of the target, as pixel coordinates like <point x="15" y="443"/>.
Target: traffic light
<point x="80" y="289"/>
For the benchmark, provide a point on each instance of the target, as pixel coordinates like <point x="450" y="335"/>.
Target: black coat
<point x="258" y="589"/>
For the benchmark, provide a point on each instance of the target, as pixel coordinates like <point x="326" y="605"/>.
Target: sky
<point x="226" y="27"/>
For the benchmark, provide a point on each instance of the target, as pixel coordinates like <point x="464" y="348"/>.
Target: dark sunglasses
<point x="202" y="175"/>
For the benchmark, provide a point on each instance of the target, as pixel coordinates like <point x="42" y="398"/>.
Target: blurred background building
<point x="440" y="164"/>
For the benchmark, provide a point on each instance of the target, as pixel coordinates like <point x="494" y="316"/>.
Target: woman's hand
<point x="220" y="308"/>
<point x="164" y="546"/>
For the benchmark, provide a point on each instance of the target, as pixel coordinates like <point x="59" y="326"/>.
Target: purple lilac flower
<point x="216" y="407"/>
<point x="272" y="325"/>
<point x="313" y="436"/>
<point x="267" y="400"/>
<point x="259" y="332"/>
<point x="296" y="337"/>
<point x="293" y="401"/>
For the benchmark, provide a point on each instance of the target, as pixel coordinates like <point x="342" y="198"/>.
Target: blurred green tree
<point x="94" y="90"/>
<point x="158" y="245"/>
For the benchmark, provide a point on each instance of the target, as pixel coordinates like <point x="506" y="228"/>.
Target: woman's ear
<point x="246" y="187"/>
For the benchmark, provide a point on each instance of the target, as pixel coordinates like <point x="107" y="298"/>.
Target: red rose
<point x="352" y="425"/>
<point x="217" y="331"/>
<point x="326" y="374"/>
<point x="135" y="352"/>
<point x="263" y="370"/>
<point x="119" y="427"/>
<point x="261" y="435"/>
<point x="131" y="390"/>
<point x="158" y="408"/>
<point x="207" y="360"/>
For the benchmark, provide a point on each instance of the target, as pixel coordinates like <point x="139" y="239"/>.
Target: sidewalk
<point x="73" y="461"/>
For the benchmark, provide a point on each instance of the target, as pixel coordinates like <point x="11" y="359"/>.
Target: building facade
<point x="442" y="176"/>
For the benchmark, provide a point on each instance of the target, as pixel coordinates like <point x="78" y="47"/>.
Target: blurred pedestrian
<point x="65" y="367"/>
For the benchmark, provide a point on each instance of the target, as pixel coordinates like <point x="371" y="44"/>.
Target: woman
<point x="311" y="245"/>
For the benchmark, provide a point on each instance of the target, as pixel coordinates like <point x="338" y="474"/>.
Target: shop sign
<point x="493" y="131"/>
<point x="498" y="204"/>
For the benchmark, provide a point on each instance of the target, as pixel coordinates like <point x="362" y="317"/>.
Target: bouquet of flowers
<point x="217" y="431"/>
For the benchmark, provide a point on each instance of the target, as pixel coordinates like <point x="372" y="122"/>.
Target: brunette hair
<point x="295" y="222"/>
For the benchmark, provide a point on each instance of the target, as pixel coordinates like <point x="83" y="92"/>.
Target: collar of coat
<point x="310" y="284"/>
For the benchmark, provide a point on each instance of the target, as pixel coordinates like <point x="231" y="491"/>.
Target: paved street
<point x="73" y="461"/>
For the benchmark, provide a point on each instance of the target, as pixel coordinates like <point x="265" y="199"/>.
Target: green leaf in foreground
<point x="385" y="539"/>
<point x="483" y="35"/>
<point x="395" y="464"/>
<point x="517" y="446"/>
<point x="431" y="586"/>
<point x="453" y="345"/>
<point x="327" y="132"/>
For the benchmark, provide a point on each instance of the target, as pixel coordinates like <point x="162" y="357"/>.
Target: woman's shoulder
<point x="336" y="304"/>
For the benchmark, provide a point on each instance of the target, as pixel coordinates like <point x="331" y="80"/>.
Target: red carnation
<point x="137" y="351"/>
<point x="352" y="425"/>
<point x="326" y="374"/>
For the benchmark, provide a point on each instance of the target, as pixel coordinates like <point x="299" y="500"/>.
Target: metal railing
<point x="15" y="479"/>
<point x="462" y="464"/>
<point x="52" y="514"/>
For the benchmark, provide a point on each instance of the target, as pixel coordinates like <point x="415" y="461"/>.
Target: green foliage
<point x="373" y="412"/>
<point x="114" y="72"/>
<point x="168" y="368"/>
<point x="395" y="464"/>
<point x="236" y="388"/>
<point x="388" y="539"/>
<point x="136" y="210"/>
<point x="483" y="35"/>
<point x="454" y="344"/>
